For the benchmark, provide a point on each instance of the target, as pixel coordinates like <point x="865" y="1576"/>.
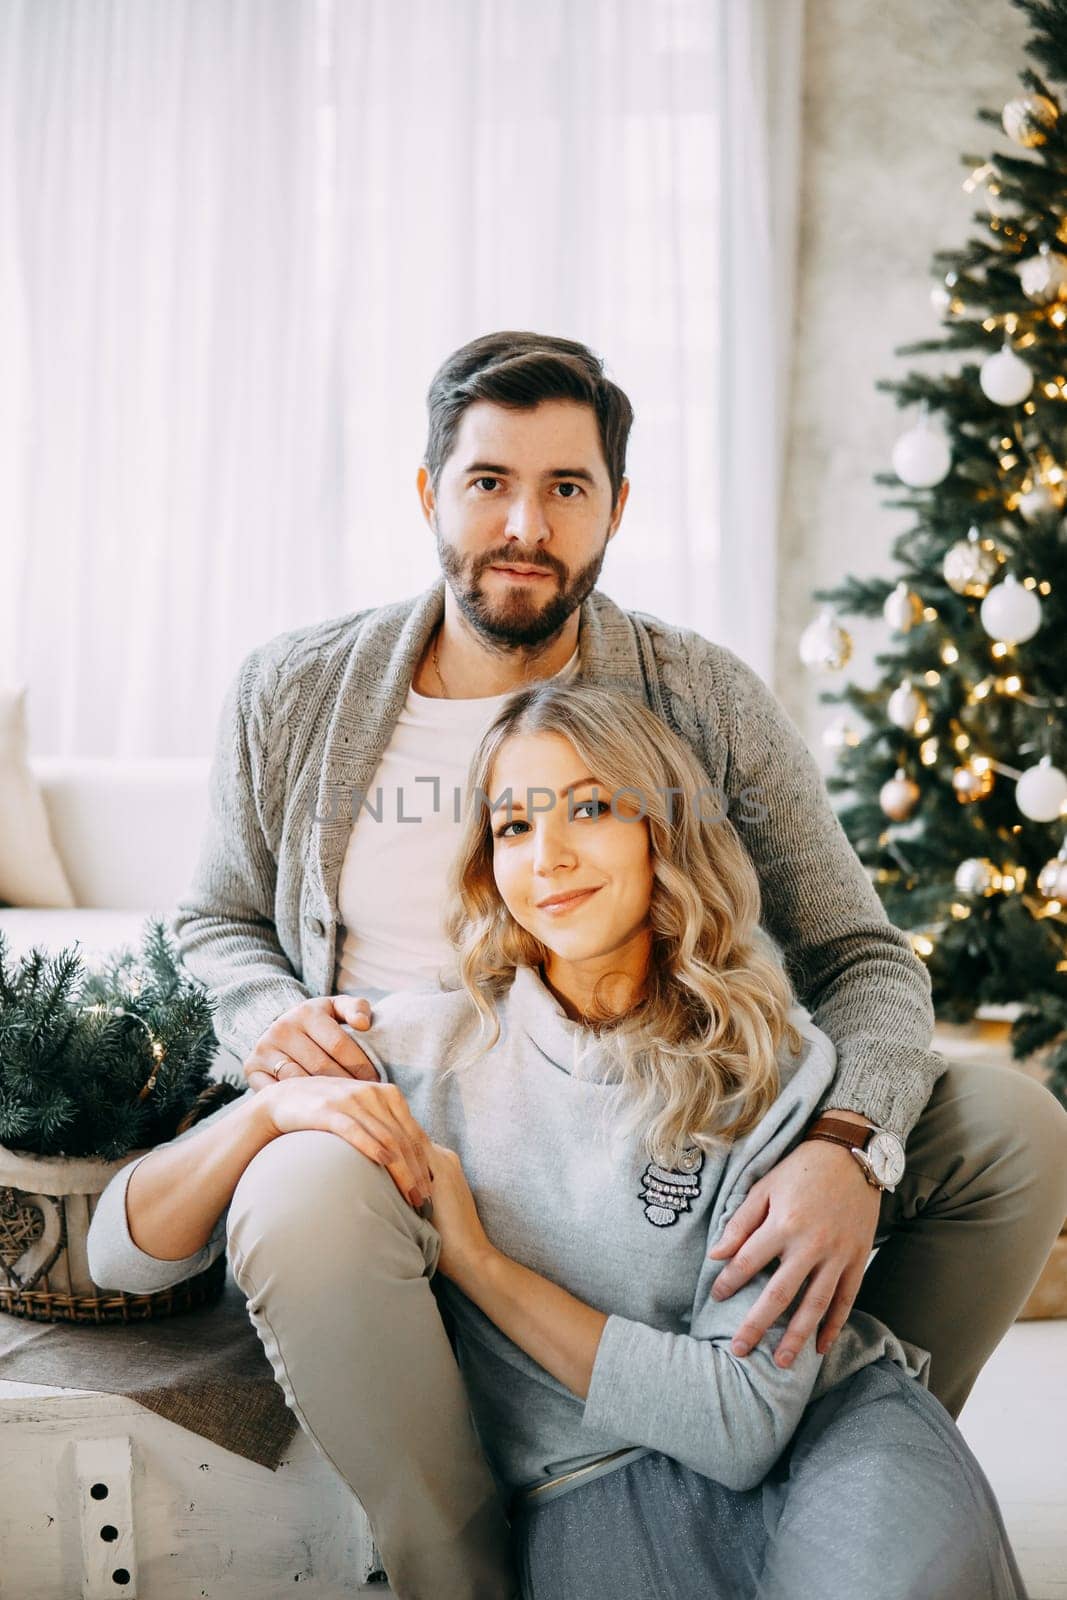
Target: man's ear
<point x="427" y="498"/>
<point x="620" y="506"/>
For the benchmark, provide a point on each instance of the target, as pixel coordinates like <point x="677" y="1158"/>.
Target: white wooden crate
<point x="181" y="1519"/>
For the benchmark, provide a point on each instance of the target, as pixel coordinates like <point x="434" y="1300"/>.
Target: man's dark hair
<point x="521" y="370"/>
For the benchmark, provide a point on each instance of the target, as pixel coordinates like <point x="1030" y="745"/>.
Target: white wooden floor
<point x="1015" y="1421"/>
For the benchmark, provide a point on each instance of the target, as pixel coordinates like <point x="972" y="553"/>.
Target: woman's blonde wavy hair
<point x="698" y="1052"/>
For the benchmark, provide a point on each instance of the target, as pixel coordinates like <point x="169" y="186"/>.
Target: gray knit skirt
<point x="877" y="1496"/>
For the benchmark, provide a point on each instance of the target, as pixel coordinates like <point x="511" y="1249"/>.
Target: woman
<point x="619" y="1061"/>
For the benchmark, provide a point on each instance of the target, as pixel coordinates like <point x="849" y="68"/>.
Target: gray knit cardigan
<point x="307" y="720"/>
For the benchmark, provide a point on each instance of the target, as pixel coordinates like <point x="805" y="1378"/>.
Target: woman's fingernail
<point x="787" y="1360"/>
<point x="740" y="1348"/>
<point x="415" y="1198"/>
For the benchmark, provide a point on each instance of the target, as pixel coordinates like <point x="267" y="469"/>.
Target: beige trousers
<point x="336" y="1267"/>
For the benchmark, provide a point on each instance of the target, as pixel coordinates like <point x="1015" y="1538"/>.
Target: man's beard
<point x="516" y="621"/>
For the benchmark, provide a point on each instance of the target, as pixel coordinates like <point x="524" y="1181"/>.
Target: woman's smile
<point x="556" y="907"/>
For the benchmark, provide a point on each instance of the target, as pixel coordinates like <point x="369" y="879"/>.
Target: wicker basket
<point x="46" y="1206"/>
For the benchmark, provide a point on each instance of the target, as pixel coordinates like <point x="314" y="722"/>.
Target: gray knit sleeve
<point x="850" y="966"/>
<point x="687" y="1394"/>
<point x="224" y="927"/>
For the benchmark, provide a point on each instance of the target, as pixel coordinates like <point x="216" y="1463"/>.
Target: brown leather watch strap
<point x="838" y="1131"/>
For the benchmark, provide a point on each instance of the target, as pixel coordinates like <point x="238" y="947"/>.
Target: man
<point x="314" y="888"/>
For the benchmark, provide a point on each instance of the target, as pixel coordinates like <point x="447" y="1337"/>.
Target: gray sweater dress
<point x="560" y="1191"/>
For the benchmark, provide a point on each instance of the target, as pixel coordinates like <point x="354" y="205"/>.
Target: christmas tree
<point x="99" y="1063"/>
<point x="954" y="785"/>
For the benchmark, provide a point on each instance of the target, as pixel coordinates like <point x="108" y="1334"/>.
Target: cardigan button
<point x="317" y="926"/>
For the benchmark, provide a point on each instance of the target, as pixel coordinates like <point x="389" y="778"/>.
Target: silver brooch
<point x="668" y="1191"/>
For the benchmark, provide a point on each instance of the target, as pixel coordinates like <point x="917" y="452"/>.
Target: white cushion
<point x="31" y="873"/>
<point x="128" y="831"/>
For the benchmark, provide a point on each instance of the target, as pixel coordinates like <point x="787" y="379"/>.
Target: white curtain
<point x="238" y="236"/>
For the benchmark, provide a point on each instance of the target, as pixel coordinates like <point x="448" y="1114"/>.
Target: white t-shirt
<point x="392" y="890"/>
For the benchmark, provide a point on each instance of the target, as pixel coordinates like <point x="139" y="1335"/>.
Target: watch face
<point x="886" y="1156"/>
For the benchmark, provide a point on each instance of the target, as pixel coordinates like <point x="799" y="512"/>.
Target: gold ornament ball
<point x="899" y="797"/>
<point x="971" y="784"/>
<point x="977" y="875"/>
<point x="1052" y="879"/>
<point x="1028" y="119"/>
<point x="971" y="565"/>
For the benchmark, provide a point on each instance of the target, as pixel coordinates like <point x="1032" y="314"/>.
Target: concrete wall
<point x="890" y="95"/>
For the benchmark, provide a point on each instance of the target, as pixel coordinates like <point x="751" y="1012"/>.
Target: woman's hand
<point x="309" y="1041"/>
<point x="464" y="1243"/>
<point x="815" y="1212"/>
<point x="373" y="1117"/>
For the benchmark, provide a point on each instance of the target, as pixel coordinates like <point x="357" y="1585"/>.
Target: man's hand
<point x="308" y="1041"/>
<point x="817" y="1214"/>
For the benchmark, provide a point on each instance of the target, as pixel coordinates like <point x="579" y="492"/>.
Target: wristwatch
<point x="879" y="1152"/>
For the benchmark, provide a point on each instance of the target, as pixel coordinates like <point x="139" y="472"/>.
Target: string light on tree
<point x="1041" y="792"/>
<point x="1011" y="613"/>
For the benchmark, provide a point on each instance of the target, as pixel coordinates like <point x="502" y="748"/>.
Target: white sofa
<point x="128" y="834"/>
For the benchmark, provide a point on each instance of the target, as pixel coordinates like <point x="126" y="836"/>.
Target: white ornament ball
<point x="1011" y="613"/>
<point x="941" y="298"/>
<point x="1044" y="276"/>
<point x="1052" y="879"/>
<point x="840" y="734"/>
<point x="825" y="645"/>
<point x="1028" y="119"/>
<point x="902" y="609"/>
<point x="977" y="875"/>
<point x="899" y="797"/>
<point x="1038" y="502"/>
<point x="905" y="706"/>
<point x="1041" y="792"/>
<point x="922" y="456"/>
<point x="1005" y="379"/>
